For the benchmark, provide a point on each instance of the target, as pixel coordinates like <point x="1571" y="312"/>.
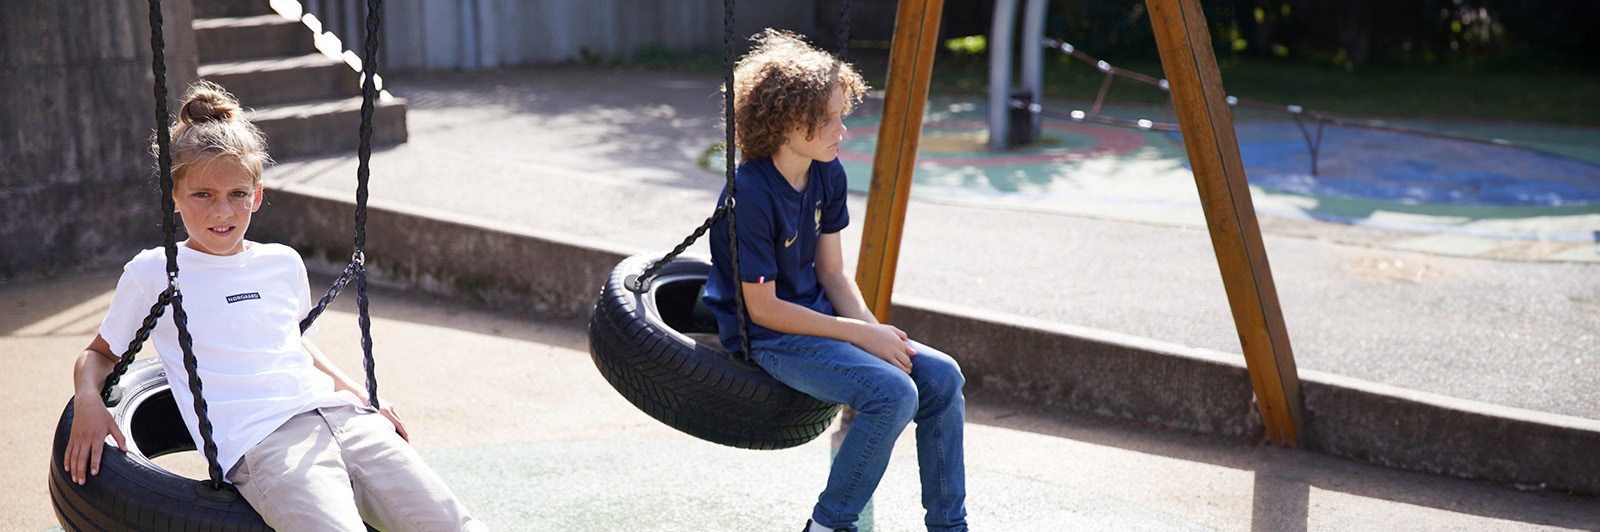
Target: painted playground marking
<point x="1487" y="198"/>
<point x="1079" y="142"/>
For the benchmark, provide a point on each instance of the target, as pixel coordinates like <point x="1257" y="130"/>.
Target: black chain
<point x="357" y="269"/>
<point x="844" y="28"/>
<point x="358" y="260"/>
<point x="192" y="365"/>
<point x="139" y="338"/>
<point x="727" y="152"/>
<point x="333" y="292"/>
<point x="641" y="283"/>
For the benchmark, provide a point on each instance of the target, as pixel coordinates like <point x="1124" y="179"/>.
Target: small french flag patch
<point x="761" y="279"/>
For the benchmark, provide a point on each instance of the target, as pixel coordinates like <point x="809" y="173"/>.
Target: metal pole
<point x="1207" y="125"/>
<point x="1033" y="60"/>
<point x="910" y="65"/>
<point x="1000" y="31"/>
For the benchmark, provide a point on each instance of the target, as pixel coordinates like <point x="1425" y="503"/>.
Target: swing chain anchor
<point x="636" y="285"/>
<point x="212" y="491"/>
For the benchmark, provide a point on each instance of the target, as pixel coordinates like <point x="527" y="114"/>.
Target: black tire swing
<point x="131" y="493"/>
<point x="657" y="344"/>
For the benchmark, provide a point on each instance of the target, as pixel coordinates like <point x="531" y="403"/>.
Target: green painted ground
<point x="675" y="486"/>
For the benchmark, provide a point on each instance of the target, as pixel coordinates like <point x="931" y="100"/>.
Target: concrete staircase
<point x="307" y="103"/>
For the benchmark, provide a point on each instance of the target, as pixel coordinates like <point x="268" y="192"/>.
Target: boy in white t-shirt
<point x="275" y="402"/>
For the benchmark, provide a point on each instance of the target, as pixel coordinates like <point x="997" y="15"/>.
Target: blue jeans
<point x="886" y="399"/>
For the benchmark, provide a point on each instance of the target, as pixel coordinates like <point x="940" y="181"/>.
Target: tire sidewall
<point x="131" y="492"/>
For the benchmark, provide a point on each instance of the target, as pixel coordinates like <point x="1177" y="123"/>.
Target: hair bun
<point x="208" y="102"/>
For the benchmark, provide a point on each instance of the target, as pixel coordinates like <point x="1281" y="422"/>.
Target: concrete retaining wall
<point x="1022" y="359"/>
<point x="77" y="111"/>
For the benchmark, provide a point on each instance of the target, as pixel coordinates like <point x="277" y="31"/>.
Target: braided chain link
<point x="191" y="365"/>
<point x="641" y="283"/>
<point x="369" y="90"/>
<point x="333" y="292"/>
<point x="139" y="338"/>
<point x="727" y="152"/>
<point x="844" y="29"/>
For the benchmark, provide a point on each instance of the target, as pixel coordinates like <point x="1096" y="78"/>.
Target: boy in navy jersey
<point x="809" y="326"/>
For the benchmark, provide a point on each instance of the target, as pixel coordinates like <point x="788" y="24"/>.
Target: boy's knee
<point x="894" y="394"/>
<point x="942" y="373"/>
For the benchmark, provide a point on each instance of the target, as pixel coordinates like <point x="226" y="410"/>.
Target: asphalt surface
<point x="610" y="156"/>
<point x="512" y="414"/>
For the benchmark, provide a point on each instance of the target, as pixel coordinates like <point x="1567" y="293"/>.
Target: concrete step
<point x="328" y="127"/>
<point x="236" y="38"/>
<point x="231" y="8"/>
<point x="261" y="82"/>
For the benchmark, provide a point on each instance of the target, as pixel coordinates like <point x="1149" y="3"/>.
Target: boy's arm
<point x="839" y="287"/>
<point x="853" y="324"/>
<point x="91" y="421"/>
<point x="342" y="382"/>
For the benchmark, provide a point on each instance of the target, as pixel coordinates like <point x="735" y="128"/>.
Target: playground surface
<point x="533" y="439"/>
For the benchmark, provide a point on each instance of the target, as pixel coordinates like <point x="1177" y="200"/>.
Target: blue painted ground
<point x="1411" y="169"/>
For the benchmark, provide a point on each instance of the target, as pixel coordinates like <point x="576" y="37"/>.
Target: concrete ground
<point x="532" y="438"/>
<point x="610" y="156"/>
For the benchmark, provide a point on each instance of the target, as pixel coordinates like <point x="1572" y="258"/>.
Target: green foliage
<point x="1453" y="35"/>
<point x="656" y="56"/>
<point x="971" y="44"/>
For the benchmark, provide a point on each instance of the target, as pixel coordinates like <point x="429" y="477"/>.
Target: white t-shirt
<point x="244" y="315"/>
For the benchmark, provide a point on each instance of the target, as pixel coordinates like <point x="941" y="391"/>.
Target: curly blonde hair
<point x="211" y="124"/>
<point x="782" y="84"/>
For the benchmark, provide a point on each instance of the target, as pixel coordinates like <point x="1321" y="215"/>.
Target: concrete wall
<point x="76" y="117"/>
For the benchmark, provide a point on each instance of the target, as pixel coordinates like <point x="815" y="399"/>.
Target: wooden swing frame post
<point x="916" y="34"/>
<point x="1207" y="126"/>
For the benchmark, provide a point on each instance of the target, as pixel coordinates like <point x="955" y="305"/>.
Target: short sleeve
<point x="130" y="305"/>
<point x="757" y="253"/>
<point x="835" y="212"/>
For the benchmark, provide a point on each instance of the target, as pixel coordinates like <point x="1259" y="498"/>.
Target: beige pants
<point x="333" y="468"/>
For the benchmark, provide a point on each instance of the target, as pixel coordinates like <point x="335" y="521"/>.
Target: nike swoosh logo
<point x="791" y="240"/>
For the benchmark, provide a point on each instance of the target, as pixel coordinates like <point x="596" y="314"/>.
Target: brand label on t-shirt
<point x="243" y="297"/>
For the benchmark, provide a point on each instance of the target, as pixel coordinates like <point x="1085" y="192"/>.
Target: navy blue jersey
<point x="778" y="231"/>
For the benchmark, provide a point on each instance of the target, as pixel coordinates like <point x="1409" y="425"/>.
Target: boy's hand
<point x="394" y="417"/>
<point x="888" y="343"/>
<point x="91" y="422"/>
